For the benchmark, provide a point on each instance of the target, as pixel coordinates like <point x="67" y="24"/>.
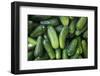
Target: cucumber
<point x="30" y="55"/>
<point x="62" y="37"/>
<point x="59" y="28"/>
<point x="72" y="47"/>
<point x="79" y="46"/>
<point x="85" y="50"/>
<point x="53" y="37"/>
<point x="85" y="34"/>
<point x="64" y="20"/>
<point x="81" y="23"/>
<point x="58" y="53"/>
<point x="49" y="49"/>
<point x="71" y="17"/>
<point x="52" y="22"/>
<point x="64" y="54"/>
<point x="45" y="57"/>
<point x="72" y="27"/>
<point x="38" y="52"/>
<point x="38" y="31"/>
<point x="79" y="32"/>
<point x="32" y="41"/>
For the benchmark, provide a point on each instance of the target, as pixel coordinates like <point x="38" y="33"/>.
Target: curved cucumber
<point x="49" y="49"/>
<point x="53" y="37"/>
<point x="39" y="48"/>
<point x="62" y="37"/>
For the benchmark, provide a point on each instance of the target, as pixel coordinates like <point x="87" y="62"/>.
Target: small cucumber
<point x="58" y="53"/>
<point x="64" y="20"/>
<point x="72" y="47"/>
<point x="84" y="47"/>
<point x="38" y="52"/>
<point x="38" y="31"/>
<point x="49" y="49"/>
<point x="81" y="23"/>
<point x="64" y="54"/>
<point x="62" y="37"/>
<point x="53" y="37"/>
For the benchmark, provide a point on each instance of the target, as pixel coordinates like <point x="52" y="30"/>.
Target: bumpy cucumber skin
<point x="64" y="54"/>
<point x="58" y="53"/>
<point x="64" y="20"/>
<point x="38" y="52"/>
<point x="62" y="37"/>
<point x="53" y="37"/>
<point x="85" y="51"/>
<point x="81" y="23"/>
<point x="49" y="49"/>
<point x="38" y="31"/>
<point x="72" y="47"/>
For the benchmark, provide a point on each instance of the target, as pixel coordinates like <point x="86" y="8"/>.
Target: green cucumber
<point x="64" y="20"/>
<point x="64" y="54"/>
<point x="62" y="37"/>
<point x="38" y="31"/>
<point x="38" y="52"/>
<point x="59" y="28"/>
<point x="53" y="37"/>
<point x="85" y="50"/>
<point x="81" y="23"/>
<point x="85" y="34"/>
<point x="72" y="27"/>
<point x="58" y="53"/>
<point x="49" y="49"/>
<point x="72" y="47"/>
<point x="52" y="22"/>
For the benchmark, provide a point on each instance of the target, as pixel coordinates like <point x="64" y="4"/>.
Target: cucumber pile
<point x="57" y="37"/>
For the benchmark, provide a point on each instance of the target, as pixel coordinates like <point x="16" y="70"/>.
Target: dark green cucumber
<point x="64" y="20"/>
<point x="53" y="37"/>
<point x="64" y="54"/>
<point x="85" y="34"/>
<point x="30" y="55"/>
<point x="58" y="53"/>
<point x="62" y="37"/>
<point x="49" y="49"/>
<point x="71" y="17"/>
<point x="85" y="50"/>
<point x="72" y="47"/>
<point x="38" y="52"/>
<point x="38" y="31"/>
<point x="52" y="22"/>
<point x="81" y="23"/>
